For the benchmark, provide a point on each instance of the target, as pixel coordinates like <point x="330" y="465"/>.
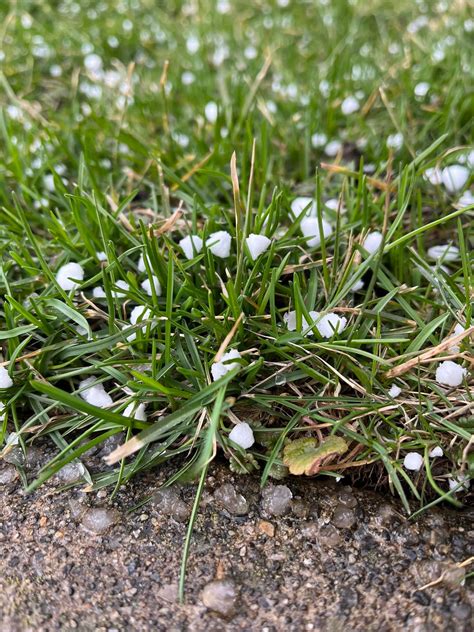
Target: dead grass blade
<point x="429" y="354"/>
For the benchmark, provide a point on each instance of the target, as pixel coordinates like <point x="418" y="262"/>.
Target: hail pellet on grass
<point x="413" y="461"/>
<point x="219" y="243"/>
<point x="69" y="276"/>
<point x="310" y="227"/>
<point x="257" y="245"/>
<point x="236" y="209"/>
<point x="304" y="205"/>
<point x="450" y="373"/>
<point x="154" y="283"/>
<point x="137" y="411"/>
<point x="223" y="366"/>
<point x="5" y="379"/>
<point x="95" y="393"/>
<point x="191" y="245"/>
<point x="394" y="391"/>
<point x="242" y="435"/>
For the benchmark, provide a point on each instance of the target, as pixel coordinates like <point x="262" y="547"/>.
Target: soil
<point x="305" y="555"/>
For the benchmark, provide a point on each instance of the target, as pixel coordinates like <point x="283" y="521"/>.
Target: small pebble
<point x="15" y="456"/>
<point x="276" y="500"/>
<point x="7" y="475"/>
<point x="344" y="517"/>
<point x="168" y="502"/>
<point x="453" y="576"/>
<point x="168" y="592"/>
<point x="220" y="596"/>
<point x="70" y="473"/>
<point x="300" y="508"/>
<point x="111" y="443"/>
<point x="76" y="508"/>
<point x="35" y="457"/>
<point x="98" y="520"/>
<point x="421" y="597"/>
<point x="267" y="528"/>
<point x="461" y="611"/>
<point x="231" y="500"/>
<point x="347" y="498"/>
<point x="329" y="536"/>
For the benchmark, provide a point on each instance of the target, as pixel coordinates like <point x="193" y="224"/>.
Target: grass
<point x="105" y="147"/>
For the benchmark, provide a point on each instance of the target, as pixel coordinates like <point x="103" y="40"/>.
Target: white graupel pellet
<point x="242" y="435"/>
<point x="450" y="373"/>
<point x="219" y="369"/>
<point x="219" y="243"/>
<point x="413" y="461"/>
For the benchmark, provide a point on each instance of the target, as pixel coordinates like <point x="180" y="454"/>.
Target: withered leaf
<point x="306" y="455"/>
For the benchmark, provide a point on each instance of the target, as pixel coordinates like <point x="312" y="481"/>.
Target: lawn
<point x="315" y="157"/>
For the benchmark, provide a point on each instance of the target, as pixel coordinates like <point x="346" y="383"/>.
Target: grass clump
<point x="219" y="214"/>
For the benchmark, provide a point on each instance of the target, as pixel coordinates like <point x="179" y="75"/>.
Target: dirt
<point x="316" y="555"/>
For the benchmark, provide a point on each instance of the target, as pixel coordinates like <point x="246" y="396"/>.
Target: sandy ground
<point x="337" y="559"/>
